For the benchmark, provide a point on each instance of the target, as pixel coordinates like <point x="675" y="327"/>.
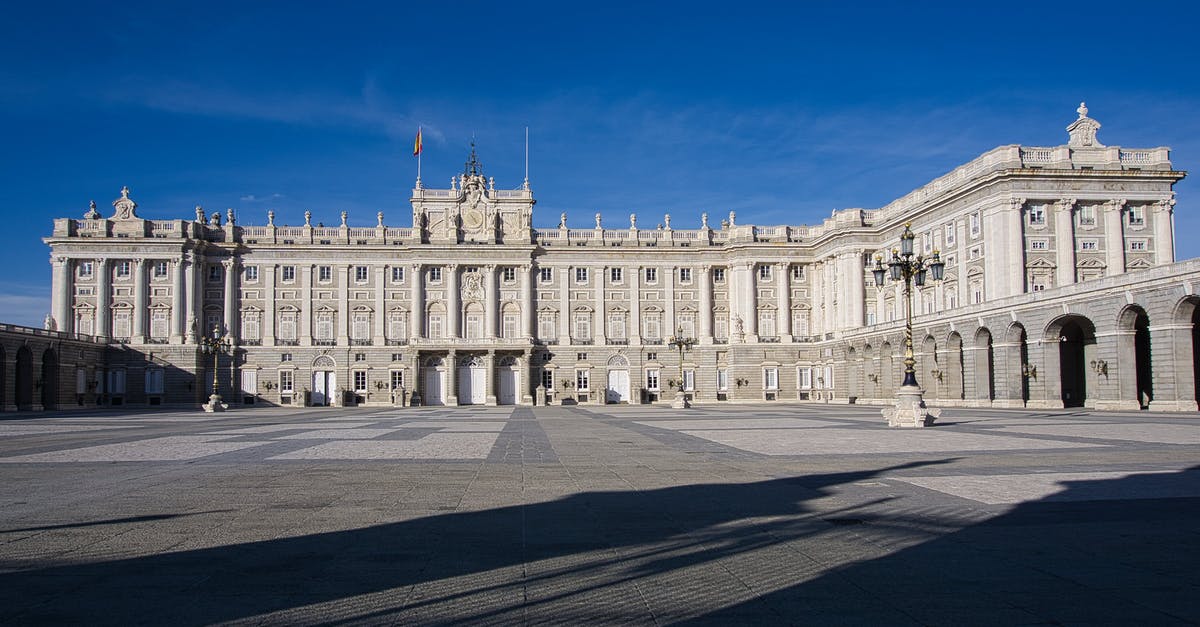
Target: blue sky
<point x="781" y="112"/>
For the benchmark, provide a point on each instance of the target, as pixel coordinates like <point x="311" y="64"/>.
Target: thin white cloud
<point x="24" y="305"/>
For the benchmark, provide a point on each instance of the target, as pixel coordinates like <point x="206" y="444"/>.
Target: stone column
<point x="855" y="290"/>
<point x="750" y="298"/>
<point x="816" y="274"/>
<point x="530" y="378"/>
<point x="268" y="319"/>
<point x="343" y="308"/>
<point x="1064" y="242"/>
<point x="489" y="364"/>
<point x="635" y="306"/>
<point x="670" y="324"/>
<point x="453" y="306"/>
<point x="490" y="314"/>
<point x="1114" y="237"/>
<point x="230" y="266"/>
<point x="706" y="306"/>
<point x="103" y="300"/>
<point x="452" y="378"/>
<point x="60" y="304"/>
<point x="306" y="305"/>
<point x="783" y="299"/>
<point x="178" y="311"/>
<point x="416" y="312"/>
<point x="528" y="317"/>
<point x="139" y="302"/>
<point x="564" y="306"/>
<point x="599" y="331"/>
<point x="192" y="330"/>
<point x="1163" y="216"/>
<point x="377" y="333"/>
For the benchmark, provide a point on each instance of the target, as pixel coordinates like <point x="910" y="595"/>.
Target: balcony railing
<point x="613" y="341"/>
<point x="768" y="339"/>
<point x="652" y="341"/>
<point x="403" y="341"/>
<point x="582" y="341"/>
<point x="360" y="342"/>
<point x="283" y="342"/>
<point x="325" y="342"/>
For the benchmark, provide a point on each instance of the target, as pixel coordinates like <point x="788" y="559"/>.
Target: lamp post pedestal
<point x="681" y="401"/>
<point x="215" y="404"/>
<point x="910" y="409"/>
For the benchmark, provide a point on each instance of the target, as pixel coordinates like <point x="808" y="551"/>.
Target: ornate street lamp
<point x="910" y="410"/>
<point x="214" y="345"/>
<point x="683" y="344"/>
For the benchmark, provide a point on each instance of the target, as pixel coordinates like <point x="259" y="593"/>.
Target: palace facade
<point x="1060" y="288"/>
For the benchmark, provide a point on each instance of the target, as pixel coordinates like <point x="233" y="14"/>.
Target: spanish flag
<point x="417" y="145"/>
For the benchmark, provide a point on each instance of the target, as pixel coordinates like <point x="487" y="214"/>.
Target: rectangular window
<point x="123" y="270"/>
<point x="214" y="272"/>
<point x="154" y="380"/>
<point x="950" y="234"/>
<point x="121" y="325"/>
<point x="548" y="379"/>
<point x="583" y="325"/>
<point x="1087" y="244"/>
<point x="1137" y="245"/>
<point x="289" y="274"/>
<point x="722" y="379"/>
<point x="974" y="219"/>
<point x="434" y="330"/>
<point x="1037" y="244"/>
<point x="805" y="377"/>
<point x="397" y="379"/>
<point x="250" y="274"/>
<point x="615" y="275"/>
<point x="689" y="380"/>
<point x="581" y="380"/>
<point x="158" y="323"/>
<point x="1087" y="215"/>
<point x="651" y="275"/>
<point x="85" y="269"/>
<point x="324" y="326"/>
<point x="287" y="326"/>
<point x="360" y="329"/>
<point x="616" y="326"/>
<point x="397" y="325"/>
<point x="718" y="275"/>
<point x="798" y="273"/>
<point x="580" y="356"/>
<point x="286" y="382"/>
<point x="1137" y="216"/>
<point x="508" y="327"/>
<point x="360" y="380"/>
<point x="324" y="274"/>
<point x="652" y="379"/>
<point x="581" y="275"/>
<point x="764" y="273"/>
<point x="250" y="326"/>
<point x="360" y="274"/>
<point x="116" y="381"/>
<point x="546" y="325"/>
<point x="160" y="269"/>
<point x="508" y="275"/>
<point x="685" y="275"/>
<point x="651" y="356"/>
<point x="435" y="274"/>
<point x="1037" y="215"/>
<point x="545" y="275"/>
<point x="397" y="274"/>
<point x="771" y="378"/>
<point x="285" y="357"/>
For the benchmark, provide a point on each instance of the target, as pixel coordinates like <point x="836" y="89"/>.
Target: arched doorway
<point x="433" y="382"/>
<point x="510" y="381"/>
<point x="49" y="379"/>
<point x="985" y="365"/>
<point x="887" y="371"/>
<point x="1017" y="356"/>
<point x="472" y="381"/>
<point x="928" y="367"/>
<point x="1076" y="337"/>
<point x="23" y="391"/>
<point x="617" y="388"/>
<point x="954" y="366"/>
<point x="324" y="381"/>
<point x="870" y="372"/>
<point x="1133" y="328"/>
<point x="853" y="372"/>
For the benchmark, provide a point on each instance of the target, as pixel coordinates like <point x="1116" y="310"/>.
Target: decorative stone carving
<point x="562" y="220"/>
<point x="1083" y="130"/>
<point x="344" y="214"/>
<point x="201" y="218"/>
<point x="598" y="221"/>
<point x="91" y="214"/>
<point x="307" y="218"/>
<point x="125" y="208"/>
<point x="271" y="217"/>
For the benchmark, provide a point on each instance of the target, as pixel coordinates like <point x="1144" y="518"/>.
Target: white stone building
<point x="472" y="304"/>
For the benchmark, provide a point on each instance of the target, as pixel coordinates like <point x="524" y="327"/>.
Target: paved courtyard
<point x="801" y="514"/>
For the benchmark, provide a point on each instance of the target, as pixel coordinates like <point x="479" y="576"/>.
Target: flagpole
<point x="420" y="150"/>
<point x="526" y="157"/>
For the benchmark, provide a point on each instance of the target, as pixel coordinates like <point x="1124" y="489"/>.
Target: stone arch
<point x="870" y="371"/>
<point x="23" y="388"/>
<point x="954" y="367"/>
<point x="853" y="373"/>
<point x="984" y="360"/>
<point x="507" y="361"/>
<point x="323" y="362"/>
<point x="1133" y="348"/>
<point x="928" y="368"/>
<point x="434" y="361"/>
<point x="1185" y="342"/>
<point x="618" y="361"/>
<point x="1014" y="360"/>
<point x="887" y="370"/>
<point x="49" y="379"/>
<point x="1067" y="366"/>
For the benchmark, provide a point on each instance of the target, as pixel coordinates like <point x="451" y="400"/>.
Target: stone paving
<point x="778" y="514"/>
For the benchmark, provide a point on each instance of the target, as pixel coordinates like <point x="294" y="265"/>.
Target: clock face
<point x="473" y="219"/>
